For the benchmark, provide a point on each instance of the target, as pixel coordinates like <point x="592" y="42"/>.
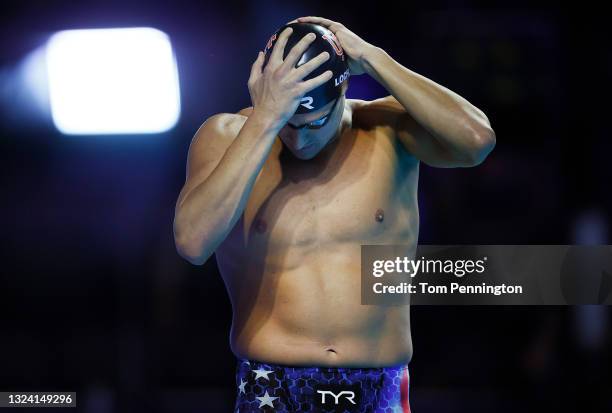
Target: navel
<point x="380" y="215"/>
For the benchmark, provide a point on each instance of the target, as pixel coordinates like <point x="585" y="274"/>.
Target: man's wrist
<point x="371" y="57"/>
<point x="265" y="120"/>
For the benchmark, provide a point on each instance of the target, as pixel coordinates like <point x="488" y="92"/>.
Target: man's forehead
<point x="302" y="118"/>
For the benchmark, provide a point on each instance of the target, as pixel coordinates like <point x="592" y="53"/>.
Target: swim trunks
<point x="264" y="387"/>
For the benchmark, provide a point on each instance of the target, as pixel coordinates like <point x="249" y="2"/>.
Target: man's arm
<point x="246" y="111"/>
<point x="221" y="175"/>
<point x="435" y="124"/>
<point x="221" y="172"/>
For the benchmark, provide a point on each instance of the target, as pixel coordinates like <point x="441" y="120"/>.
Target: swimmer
<point x="285" y="192"/>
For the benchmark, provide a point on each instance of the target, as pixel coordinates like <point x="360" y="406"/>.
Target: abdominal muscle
<point x="311" y="313"/>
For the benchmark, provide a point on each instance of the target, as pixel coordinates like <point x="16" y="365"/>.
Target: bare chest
<point x="363" y="191"/>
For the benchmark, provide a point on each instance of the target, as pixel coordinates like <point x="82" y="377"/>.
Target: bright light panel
<point x="112" y="81"/>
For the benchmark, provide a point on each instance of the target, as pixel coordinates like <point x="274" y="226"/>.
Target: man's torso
<point x="292" y="262"/>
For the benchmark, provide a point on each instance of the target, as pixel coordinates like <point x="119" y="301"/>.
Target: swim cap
<point x="337" y="63"/>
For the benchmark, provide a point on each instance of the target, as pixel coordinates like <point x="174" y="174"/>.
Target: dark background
<point x="94" y="298"/>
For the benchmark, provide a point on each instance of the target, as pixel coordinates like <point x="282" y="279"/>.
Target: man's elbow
<point x="189" y="248"/>
<point x="483" y="144"/>
<point x="190" y="255"/>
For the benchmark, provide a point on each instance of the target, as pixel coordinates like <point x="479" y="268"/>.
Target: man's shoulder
<point x="387" y="102"/>
<point x="376" y="112"/>
<point x="223" y="125"/>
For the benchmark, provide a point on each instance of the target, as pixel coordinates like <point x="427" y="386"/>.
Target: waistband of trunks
<point x="254" y="365"/>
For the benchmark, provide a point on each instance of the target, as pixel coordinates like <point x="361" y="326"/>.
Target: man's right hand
<point x="277" y="89"/>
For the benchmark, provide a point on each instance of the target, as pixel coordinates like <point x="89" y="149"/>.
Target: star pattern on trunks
<point x="262" y="373"/>
<point x="241" y="386"/>
<point x="266" y="400"/>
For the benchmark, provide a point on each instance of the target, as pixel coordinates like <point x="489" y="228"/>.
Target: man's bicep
<point x="421" y="143"/>
<point x="414" y="137"/>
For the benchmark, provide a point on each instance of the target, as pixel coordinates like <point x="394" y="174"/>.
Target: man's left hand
<point x="354" y="46"/>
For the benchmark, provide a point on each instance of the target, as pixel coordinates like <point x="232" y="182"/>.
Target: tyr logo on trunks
<point x="337" y="396"/>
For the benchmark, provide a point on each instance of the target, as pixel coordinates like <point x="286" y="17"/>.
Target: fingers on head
<point x="256" y="68"/>
<point x="305" y="69"/>
<point x="276" y="57"/>
<point x="315" y="82"/>
<point x="300" y="47"/>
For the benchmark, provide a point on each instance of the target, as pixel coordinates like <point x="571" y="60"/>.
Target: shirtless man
<point x="286" y="191"/>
